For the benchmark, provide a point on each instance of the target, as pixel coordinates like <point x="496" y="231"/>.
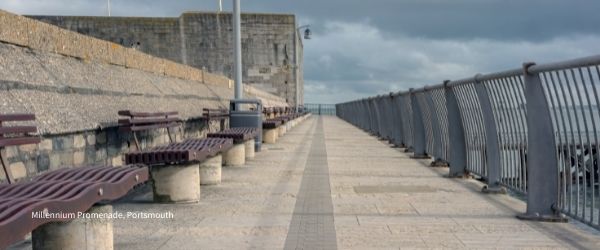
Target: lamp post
<point x="108" y="7"/>
<point x="237" y="37"/>
<point x="307" y="34"/>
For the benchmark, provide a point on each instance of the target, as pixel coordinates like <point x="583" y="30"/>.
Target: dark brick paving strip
<point x="312" y="225"/>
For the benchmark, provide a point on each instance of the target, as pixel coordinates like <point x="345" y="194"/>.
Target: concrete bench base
<point x="210" y="171"/>
<point x="282" y="130"/>
<point x="270" y="135"/>
<point x="80" y="233"/>
<point x="176" y="184"/>
<point x="250" y="150"/>
<point x="236" y="156"/>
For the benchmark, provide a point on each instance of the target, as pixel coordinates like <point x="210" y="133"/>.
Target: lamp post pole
<point x="297" y="54"/>
<point x="237" y="36"/>
<point x="108" y="7"/>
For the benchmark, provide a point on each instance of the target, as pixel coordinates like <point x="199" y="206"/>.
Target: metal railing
<point x="320" y="109"/>
<point x="534" y="130"/>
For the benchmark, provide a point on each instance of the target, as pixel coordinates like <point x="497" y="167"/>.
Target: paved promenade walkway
<point x="327" y="185"/>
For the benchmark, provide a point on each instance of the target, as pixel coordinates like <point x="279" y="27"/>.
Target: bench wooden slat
<point x="147" y="114"/>
<point x="16" y="117"/>
<point x="72" y="195"/>
<point x="17" y="129"/>
<point x="147" y="127"/>
<point x="5" y="142"/>
<point x="188" y="151"/>
<point x="137" y="121"/>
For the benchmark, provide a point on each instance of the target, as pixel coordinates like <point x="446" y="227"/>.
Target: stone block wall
<point x="93" y="148"/>
<point x="272" y="48"/>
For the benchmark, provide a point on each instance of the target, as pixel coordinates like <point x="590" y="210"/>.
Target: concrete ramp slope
<point x="77" y="83"/>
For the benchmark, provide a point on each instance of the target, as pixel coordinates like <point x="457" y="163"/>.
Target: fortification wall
<point x="203" y="40"/>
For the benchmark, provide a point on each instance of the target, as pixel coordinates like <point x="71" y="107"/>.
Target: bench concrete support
<point x="270" y="135"/>
<point x="282" y="130"/>
<point x="176" y="183"/>
<point x="236" y="156"/>
<point x="80" y="233"/>
<point x="250" y="152"/>
<point x="210" y="170"/>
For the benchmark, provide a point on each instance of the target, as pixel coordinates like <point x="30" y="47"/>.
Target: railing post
<point x="409" y="138"/>
<point x="542" y="159"/>
<point x="456" y="134"/>
<point x="492" y="150"/>
<point x="418" y="129"/>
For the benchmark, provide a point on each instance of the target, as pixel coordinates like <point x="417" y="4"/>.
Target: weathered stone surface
<point x="79" y="158"/>
<point x="79" y="141"/>
<point x="18" y="170"/>
<point x="46" y="145"/>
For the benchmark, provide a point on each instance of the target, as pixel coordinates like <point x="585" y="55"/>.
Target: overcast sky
<point x="368" y="47"/>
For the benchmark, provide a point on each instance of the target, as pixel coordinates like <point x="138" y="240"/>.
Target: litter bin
<point x="248" y="115"/>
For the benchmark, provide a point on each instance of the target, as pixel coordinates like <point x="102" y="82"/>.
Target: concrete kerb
<point x="176" y="183"/>
<point x="89" y="232"/>
<point x="235" y="156"/>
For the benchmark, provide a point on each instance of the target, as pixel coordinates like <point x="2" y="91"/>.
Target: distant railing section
<point x="533" y="130"/>
<point x="320" y="109"/>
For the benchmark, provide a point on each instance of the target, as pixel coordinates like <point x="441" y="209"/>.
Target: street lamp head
<point x="307" y="34"/>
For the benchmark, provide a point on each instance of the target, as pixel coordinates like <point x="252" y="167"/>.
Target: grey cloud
<point x="363" y="48"/>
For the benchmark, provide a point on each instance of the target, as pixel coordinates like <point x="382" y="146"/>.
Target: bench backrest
<point x="141" y="121"/>
<point x="15" y="136"/>
<point x="215" y="114"/>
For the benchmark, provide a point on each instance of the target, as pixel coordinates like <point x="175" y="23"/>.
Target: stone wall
<point x="203" y="40"/>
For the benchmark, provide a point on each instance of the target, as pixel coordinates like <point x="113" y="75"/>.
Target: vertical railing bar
<point x="489" y="86"/>
<point x="470" y="137"/>
<point x="442" y="119"/>
<point x="592" y="145"/>
<point x="554" y="105"/>
<point x="514" y="97"/>
<point x="492" y="145"/>
<point x="573" y="128"/>
<point x="519" y="96"/>
<point x="428" y="122"/>
<point x="568" y="141"/>
<point x="439" y="160"/>
<point x="504" y="132"/>
<point x="514" y="137"/>
<point x="578" y="127"/>
<point x="480" y="131"/>
<point x="587" y="135"/>
<point x="597" y="141"/>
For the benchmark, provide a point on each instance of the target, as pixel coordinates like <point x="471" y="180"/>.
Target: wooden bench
<point x="219" y="115"/>
<point x="54" y="196"/>
<point x="177" y="168"/>
<point x="144" y="121"/>
<point x="243" y="138"/>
